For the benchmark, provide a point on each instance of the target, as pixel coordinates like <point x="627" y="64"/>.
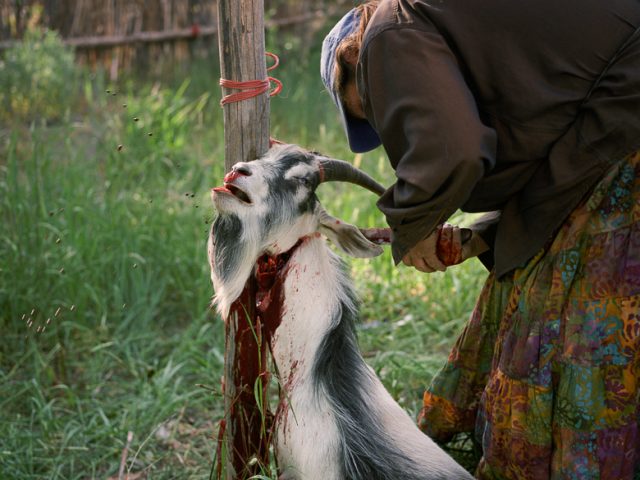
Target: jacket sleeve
<point x="417" y="99"/>
<point x="486" y="226"/>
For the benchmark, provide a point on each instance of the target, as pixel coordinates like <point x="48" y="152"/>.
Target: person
<point x="530" y="112"/>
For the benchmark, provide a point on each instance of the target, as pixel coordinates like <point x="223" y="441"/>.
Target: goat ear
<point x="347" y="237"/>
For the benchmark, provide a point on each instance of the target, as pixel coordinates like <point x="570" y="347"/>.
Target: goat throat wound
<point x="271" y="271"/>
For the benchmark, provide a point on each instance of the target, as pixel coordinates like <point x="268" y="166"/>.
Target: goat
<point x="335" y="419"/>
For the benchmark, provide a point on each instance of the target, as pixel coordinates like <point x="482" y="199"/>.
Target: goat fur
<point x="336" y="420"/>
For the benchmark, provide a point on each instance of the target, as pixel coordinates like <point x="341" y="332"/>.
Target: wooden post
<point x="246" y="132"/>
<point x="242" y="58"/>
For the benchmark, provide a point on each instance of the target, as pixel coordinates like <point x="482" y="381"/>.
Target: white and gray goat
<point x="338" y="421"/>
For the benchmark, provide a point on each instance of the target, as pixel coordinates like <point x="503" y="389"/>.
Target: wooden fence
<point x="119" y="34"/>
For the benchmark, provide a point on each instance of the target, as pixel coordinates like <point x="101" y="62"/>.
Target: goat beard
<point x="232" y="255"/>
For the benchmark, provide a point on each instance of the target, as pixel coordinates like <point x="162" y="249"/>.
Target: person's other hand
<point x="437" y="251"/>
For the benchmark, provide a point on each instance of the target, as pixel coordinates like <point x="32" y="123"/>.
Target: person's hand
<point x="444" y="247"/>
<point x="439" y="250"/>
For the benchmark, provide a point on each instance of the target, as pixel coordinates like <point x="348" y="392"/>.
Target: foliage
<point x="104" y="282"/>
<point x="103" y="347"/>
<point x="37" y="78"/>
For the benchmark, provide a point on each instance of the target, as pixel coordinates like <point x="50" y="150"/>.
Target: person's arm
<point x="419" y="103"/>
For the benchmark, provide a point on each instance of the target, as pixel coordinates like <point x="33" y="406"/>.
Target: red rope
<point x="251" y="88"/>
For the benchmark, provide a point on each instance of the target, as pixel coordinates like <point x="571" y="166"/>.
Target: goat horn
<point x="332" y="170"/>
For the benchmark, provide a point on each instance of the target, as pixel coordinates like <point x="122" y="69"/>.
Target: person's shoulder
<point x="394" y="15"/>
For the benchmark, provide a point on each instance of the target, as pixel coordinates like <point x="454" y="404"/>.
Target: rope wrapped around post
<point x="251" y="88"/>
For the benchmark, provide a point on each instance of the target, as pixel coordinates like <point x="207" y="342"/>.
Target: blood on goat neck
<point x="270" y="275"/>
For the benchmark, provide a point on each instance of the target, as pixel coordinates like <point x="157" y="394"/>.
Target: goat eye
<point x="303" y="181"/>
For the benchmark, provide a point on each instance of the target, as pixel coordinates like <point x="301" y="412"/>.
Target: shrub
<point x="37" y="78"/>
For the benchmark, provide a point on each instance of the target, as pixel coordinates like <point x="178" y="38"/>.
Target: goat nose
<point x="242" y="170"/>
<point x="238" y="170"/>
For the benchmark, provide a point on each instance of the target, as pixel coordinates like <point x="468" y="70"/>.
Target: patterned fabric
<point x="547" y="370"/>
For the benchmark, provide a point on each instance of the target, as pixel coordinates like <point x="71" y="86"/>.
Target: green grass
<point x="105" y="290"/>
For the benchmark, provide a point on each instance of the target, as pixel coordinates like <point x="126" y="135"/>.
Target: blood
<point x="258" y="312"/>
<point x="221" y="431"/>
<point x="449" y="250"/>
<point x="246" y="359"/>
<point x="271" y="272"/>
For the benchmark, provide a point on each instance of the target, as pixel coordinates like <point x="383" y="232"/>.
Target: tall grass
<point x="104" y="282"/>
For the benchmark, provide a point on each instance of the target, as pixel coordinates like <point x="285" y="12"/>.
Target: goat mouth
<point x="234" y="191"/>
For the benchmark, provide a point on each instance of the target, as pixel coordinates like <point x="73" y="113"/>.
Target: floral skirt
<point x="547" y="370"/>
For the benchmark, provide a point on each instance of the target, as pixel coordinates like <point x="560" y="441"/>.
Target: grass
<point x="104" y="281"/>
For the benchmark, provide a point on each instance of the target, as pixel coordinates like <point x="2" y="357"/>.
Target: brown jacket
<point x="511" y="105"/>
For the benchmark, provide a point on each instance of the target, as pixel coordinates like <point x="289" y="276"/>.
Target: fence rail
<point x="192" y="32"/>
<point x="154" y="35"/>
